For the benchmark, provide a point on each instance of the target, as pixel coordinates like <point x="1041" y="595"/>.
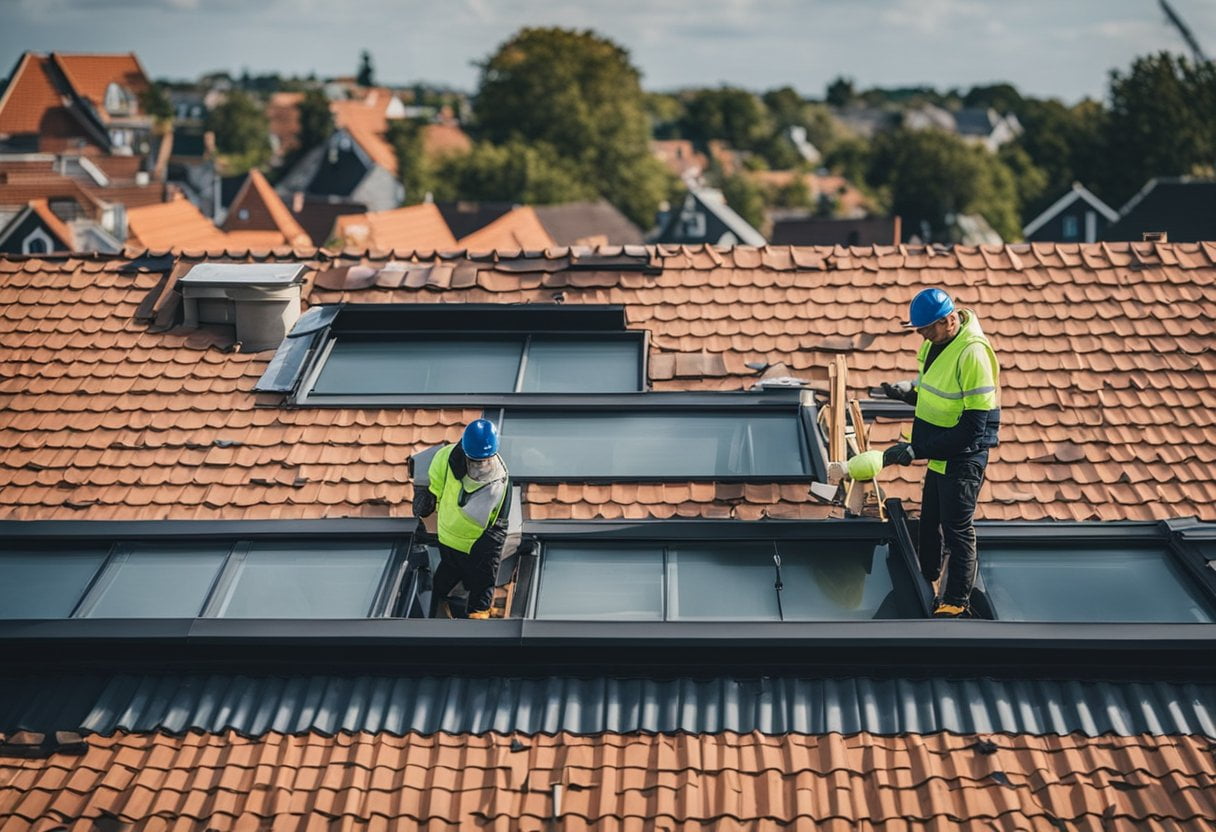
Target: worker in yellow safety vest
<point x="958" y="415"/>
<point x="468" y="484"/>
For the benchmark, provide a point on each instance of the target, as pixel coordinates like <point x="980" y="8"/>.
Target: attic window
<point x="1089" y="584"/>
<point x="379" y="354"/>
<point x="715" y="581"/>
<point x="656" y="444"/>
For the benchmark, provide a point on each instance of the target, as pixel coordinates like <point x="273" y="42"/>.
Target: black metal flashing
<point x="285" y="368"/>
<point x="257" y="704"/>
<point x="471" y="318"/>
<point x="55" y="530"/>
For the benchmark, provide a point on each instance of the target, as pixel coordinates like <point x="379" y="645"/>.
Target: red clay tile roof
<point x="177" y="225"/>
<point x="1108" y="350"/>
<point x="53" y="223"/>
<point x="411" y="228"/>
<point x="267" y="213"/>
<point x="33" y="104"/>
<point x="90" y="75"/>
<point x="367" y="124"/>
<point x="534" y="783"/>
<point x="445" y="140"/>
<point x="518" y="229"/>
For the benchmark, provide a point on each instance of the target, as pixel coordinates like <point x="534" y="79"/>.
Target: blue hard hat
<point x="480" y="440"/>
<point x="929" y="306"/>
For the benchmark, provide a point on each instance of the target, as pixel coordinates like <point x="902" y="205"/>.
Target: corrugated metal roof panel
<point x="329" y="704"/>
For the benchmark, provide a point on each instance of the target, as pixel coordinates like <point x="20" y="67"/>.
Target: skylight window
<point x="479" y="365"/>
<point x="1094" y="585"/>
<point x="666" y="444"/>
<point x="46" y="582"/>
<point x="155" y="580"/>
<point x="714" y="581"/>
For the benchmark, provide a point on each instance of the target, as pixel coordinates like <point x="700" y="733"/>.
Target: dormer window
<point x="119" y="100"/>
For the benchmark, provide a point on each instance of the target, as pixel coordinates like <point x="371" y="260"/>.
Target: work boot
<point x="945" y="610"/>
<point x="480" y="614"/>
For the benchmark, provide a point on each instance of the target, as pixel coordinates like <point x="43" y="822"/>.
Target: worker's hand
<point x="898" y="454"/>
<point x="424" y="502"/>
<point x="904" y="391"/>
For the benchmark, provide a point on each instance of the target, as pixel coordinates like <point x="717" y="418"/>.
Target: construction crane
<point x="1184" y="30"/>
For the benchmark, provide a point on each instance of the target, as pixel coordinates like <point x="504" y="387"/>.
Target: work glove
<point x="424" y="502"/>
<point x="904" y="391"/>
<point x="898" y="454"/>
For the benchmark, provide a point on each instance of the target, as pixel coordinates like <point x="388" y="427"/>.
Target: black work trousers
<point x="477" y="570"/>
<point x="947" y="509"/>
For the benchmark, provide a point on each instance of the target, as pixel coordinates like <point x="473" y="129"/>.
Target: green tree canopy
<point x="1162" y="122"/>
<point x="578" y="94"/>
<point x="932" y="176"/>
<point x="735" y="116"/>
<point x="316" y="119"/>
<point x="531" y="174"/>
<point x="242" y="132"/>
<point x="841" y="92"/>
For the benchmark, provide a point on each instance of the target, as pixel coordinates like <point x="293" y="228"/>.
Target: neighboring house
<point x="1077" y="216"/>
<point x="566" y="223"/>
<point x="681" y="158"/>
<point x="979" y="125"/>
<point x="588" y="224"/>
<point x="414" y="227"/>
<point x="257" y="207"/>
<point x="805" y="230"/>
<point x="317" y="214"/>
<point x="1183" y="207"/>
<point x="179" y="226"/>
<point x="704" y="217"/>
<point x="81" y="104"/>
<point x="520" y="229"/>
<point x="831" y="194"/>
<point x="36" y="230"/>
<point x="213" y="584"/>
<point x="357" y="162"/>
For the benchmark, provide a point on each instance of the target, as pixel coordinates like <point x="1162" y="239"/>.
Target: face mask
<point x="481" y="469"/>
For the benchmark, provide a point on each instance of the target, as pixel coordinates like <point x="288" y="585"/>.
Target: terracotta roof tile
<point x="874" y="783"/>
<point x="263" y="212"/>
<point x="412" y="228"/>
<point x="519" y="228"/>
<point x="1100" y="399"/>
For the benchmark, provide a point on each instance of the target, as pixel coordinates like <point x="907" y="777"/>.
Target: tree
<point x="415" y="169"/>
<point x="366" y="76"/>
<point x="1030" y="181"/>
<point x="840" y="92"/>
<point x="933" y="176"/>
<point x="578" y="94"/>
<point x="1004" y="98"/>
<point x="531" y="174"/>
<point x="1162" y="121"/>
<point x="316" y="119"/>
<point x="242" y="132"/>
<point x="154" y="101"/>
<point x="735" y="116"/>
<point x="1065" y="143"/>
<point x="745" y="197"/>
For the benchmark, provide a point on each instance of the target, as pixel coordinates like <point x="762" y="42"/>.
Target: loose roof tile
<point x="1104" y="365"/>
<point x="721" y="781"/>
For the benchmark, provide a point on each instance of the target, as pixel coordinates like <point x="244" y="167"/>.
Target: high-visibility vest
<point x="965" y="376"/>
<point x="462" y="516"/>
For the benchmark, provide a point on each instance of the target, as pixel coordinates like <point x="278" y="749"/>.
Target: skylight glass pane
<point x="46" y="583"/>
<point x="842" y="580"/>
<point x="718" y="582"/>
<point x="307" y="580"/>
<point x="601" y="582"/>
<point x="584" y="365"/>
<point x="433" y="365"/>
<point x="656" y="444"/>
<point x="157" y="580"/>
<point x="1096" y="585"/>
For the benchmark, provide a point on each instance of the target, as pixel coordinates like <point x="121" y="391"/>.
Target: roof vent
<point x="1156" y="236"/>
<point x="261" y="300"/>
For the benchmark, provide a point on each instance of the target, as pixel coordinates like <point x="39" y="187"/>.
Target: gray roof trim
<point x="254" y="705"/>
<point x="740" y="227"/>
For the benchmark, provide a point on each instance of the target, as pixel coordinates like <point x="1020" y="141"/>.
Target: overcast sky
<point x="1062" y="48"/>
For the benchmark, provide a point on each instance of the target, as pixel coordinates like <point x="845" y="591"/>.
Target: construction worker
<point x="958" y="416"/>
<point x="469" y="485"/>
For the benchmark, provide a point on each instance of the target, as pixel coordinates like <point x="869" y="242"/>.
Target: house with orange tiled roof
<point x="357" y="162"/>
<point x="87" y="104"/>
<point x="216" y="598"/>
<point x="36" y="230"/>
<point x="410" y="228"/>
<point x="258" y="208"/>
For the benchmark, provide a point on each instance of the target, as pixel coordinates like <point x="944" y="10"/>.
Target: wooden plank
<point x="838" y="373"/>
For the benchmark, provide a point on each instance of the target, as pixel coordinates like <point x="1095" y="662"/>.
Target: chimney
<point x="260" y="300"/>
<point x="1156" y="236"/>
